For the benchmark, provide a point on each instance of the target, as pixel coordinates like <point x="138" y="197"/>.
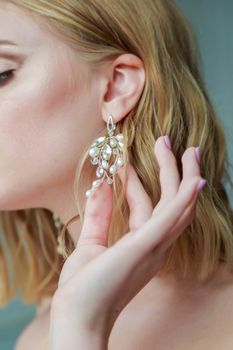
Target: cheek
<point x="39" y="135"/>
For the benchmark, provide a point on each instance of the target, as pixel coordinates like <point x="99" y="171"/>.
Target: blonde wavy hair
<point x="174" y="101"/>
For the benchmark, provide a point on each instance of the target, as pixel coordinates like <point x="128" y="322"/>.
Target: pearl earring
<point x="107" y="153"/>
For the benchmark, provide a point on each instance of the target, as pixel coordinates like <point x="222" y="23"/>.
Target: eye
<point x="5" y="76"/>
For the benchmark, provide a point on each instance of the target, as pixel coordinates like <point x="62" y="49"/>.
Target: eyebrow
<point x="7" y="42"/>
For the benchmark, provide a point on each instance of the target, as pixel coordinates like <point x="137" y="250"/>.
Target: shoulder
<point x="35" y="336"/>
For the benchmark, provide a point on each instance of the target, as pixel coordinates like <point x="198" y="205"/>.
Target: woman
<point x="106" y="124"/>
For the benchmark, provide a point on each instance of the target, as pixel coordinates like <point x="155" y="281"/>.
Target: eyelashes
<point x="6" y="76"/>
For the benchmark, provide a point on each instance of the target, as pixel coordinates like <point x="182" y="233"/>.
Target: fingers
<point x="139" y="202"/>
<point x="190" y="165"/>
<point x="158" y="228"/>
<point x="182" y="223"/>
<point x="186" y="217"/>
<point x="97" y="217"/>
<point x="169" y="175"/>
<point x="191" y="168"/>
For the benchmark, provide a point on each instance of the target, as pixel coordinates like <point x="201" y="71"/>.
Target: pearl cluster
<point x="58" y="225"/>
<point x="102" y="152"/>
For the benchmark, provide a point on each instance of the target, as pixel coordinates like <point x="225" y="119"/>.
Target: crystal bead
<point x="120" y="161"/>
<point x="113" y="142"/>
<point x="105" y="156"/>
<point x="105" y="164"/>
<point x="109" y="180"/>
<point x="89" y="193"/>
<point x="121" y="145"/>
<point x="107" y="149"/>
<point x="94" y="160"/>
<point x="99" y="172"/>
<point x="94" y="152"/>
<point x="96" y="183"/>
<point x="119" y="137"/>
<point x="94" y="144"/>
<point x="100" y="140"/>
<point x="113" y="169"/>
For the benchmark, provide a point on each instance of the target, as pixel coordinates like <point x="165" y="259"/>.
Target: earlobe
<point x="126" y="79"/>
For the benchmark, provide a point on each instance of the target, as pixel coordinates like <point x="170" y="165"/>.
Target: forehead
<point x="21" y="27"/>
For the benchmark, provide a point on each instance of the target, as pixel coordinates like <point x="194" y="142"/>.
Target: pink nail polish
<point x="198" y="154"/>
<point x="168" y="141"/>
<point x="201" y="184"/>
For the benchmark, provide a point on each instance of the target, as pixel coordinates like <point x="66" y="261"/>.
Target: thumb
<point x="97" y="217"/>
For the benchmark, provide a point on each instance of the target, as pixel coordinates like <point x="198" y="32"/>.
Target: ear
<point x="123" y="83"/>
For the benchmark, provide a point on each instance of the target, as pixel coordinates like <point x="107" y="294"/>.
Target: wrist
<point x="63" y="337"/>
<point x="70" y="330"/>
<point x="82" y="339"/>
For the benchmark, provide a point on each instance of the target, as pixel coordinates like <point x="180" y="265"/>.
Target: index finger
<point x="97" y="217"/>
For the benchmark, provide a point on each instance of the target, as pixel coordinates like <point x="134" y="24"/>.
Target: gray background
<point x="213" y="24"/>
<point x="212" y="21"/>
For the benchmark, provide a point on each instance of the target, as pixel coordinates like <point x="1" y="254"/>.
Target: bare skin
<point x="166" y="314"/>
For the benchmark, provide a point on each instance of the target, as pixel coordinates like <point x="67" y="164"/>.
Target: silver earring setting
<point x="107" y="153"/>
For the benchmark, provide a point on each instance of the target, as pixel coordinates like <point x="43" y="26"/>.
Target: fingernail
<point x="198" y="154"/>
<point x="201" y="184"/>
<point x="168" y="141"/>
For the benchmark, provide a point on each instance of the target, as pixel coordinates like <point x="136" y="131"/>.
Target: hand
<point x="97" y="282"/>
